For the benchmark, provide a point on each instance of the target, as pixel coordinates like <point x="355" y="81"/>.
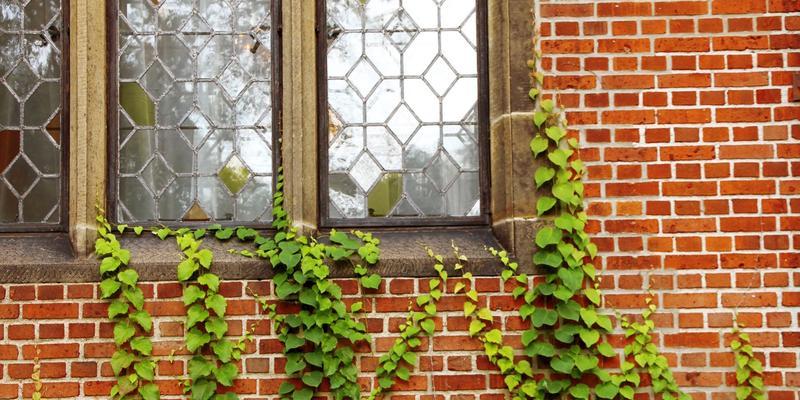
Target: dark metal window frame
<point x="481" y="9"/>
<point x="112" y="62"/>
<point x="63" y="201"/>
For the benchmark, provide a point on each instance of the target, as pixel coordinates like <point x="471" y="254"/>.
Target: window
<point x="32" y="124"/>
<point x="195" y="122"/>
<point x="403" y="141"/>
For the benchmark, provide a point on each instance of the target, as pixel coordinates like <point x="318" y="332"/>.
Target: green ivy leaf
<point x="117" y="307"/>
<point x="209" y="280"/>
<point x="192" y="293"/>
<point x="428" y="325"/>
<point x="120" y="360"/>
<point x="142" y="318"/>
<point x="223" y="349"/>
<point x="286" y="388"/>
<point x="293" y="342"/>
<point x="539" y="145"/>
<point x="303" y="394"/>
<point x="149" y="391"/>
<point x="589" y="316"/>
<point x="108" y="287"/>
<point x="143" y="345"/>
<point x="475" y="326"/>
<point x="543" y="175"/>
<point x="548" y="236"/>
<point x="196" y="339"/>
<point x="558" y="157"/>
<point x="593" y="295"/>
<point x="145" y="369"/>
<point x="540" y="348"/>
<point x="294" y="363"/>
<point x="216" y="326"/>
<point x="549" y="258"/>
<point x="555" y="133"/>
<point x="585" y="362"/>
<point x="128" y="277"/>
<point x="204" y="256"/>
<point x="564" y="192"/>
<point x="203" y="389"/>
<point x="544" y="204"/>
<point x="606" y="350"/>
<point x="572" y="278"/>
<point x="403" y="373"/>
<point x="186" y="269"/>
<point x="224" y="234"/>
<point x="217" y="303"/>
<point x="313" y="378"/>
<point x="138" y="230"/>
<point x="196" y="313"/>
<point x="123" y="331"/>
<point x="371" y="282"/>
<point x="226" y="373"/>
<point x="562" y="364"/>
<point x="606" y="390"/>
<point x="538" y="118"/>
<point x="579" y="391"/>
<point x="109" y="264"/>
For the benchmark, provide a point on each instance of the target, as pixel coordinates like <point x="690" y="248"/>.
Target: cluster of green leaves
<point x="749" y="370"/>
<point x="214" y="360"/>
<point x="318" y="340"/>
<point x="131" y="362"/>
<point x="398" y="362"/>
<point x="566" y="335"/>
<point x="36" y="376"/>
<point x="647" y="358"/>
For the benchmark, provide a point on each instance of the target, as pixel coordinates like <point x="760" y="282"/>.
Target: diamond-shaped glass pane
<point x="195" y="98"/>
<point x="234" y="175"/>
<point x="403" y="91"/>
<point x="30" y="111"/>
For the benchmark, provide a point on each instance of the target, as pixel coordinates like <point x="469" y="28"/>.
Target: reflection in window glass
<point x="402" y="92"/>
<point x="30" y="112"/>
<point x="195" y="119"/>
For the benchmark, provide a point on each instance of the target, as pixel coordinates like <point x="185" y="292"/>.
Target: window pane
<point x="195" y="110"/>
<point x="402" y="95"/>
<point x="30" y="112"/>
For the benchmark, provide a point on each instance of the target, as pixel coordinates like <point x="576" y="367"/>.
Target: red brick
<point x="683" y="116"/>
<point x="743" y="114"/>
<point x="50" y="311"/>
<point x="678" y="45"/>
<point x="722" y="43"/>
<point x="624" y="45"/>
<point x="741" y="79"/>
<point x="628" y="82"/>
<point x="675" y="153"/>
<point x="763" y="299"/>
<point x="624" y="9"/>
<point x="566" y="10"/>
<point x="686" y="261"/>
<point x="695" y="188"/>
<point x="684" y="80"/>
<point x="747" y="187"/>
<point x="629" y="117"/>
<point x="746" y="151"/>
<point x="694" y="339"/>
<point x="738" y="6"/>
<point x="681" y="7"/>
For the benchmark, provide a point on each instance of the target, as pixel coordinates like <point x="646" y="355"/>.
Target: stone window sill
<point x="49" y="258"/>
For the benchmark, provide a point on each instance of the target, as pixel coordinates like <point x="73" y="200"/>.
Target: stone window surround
<point x="512" y="193"/>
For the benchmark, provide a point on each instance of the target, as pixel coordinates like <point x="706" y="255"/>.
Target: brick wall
<point x="692" y="145"/>
<point x="685" y="112"/>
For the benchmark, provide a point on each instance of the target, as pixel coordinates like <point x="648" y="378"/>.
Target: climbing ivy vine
<point x="749" y="370"/>
<point x="643" y="352"/>
<point x="131" y="362"/>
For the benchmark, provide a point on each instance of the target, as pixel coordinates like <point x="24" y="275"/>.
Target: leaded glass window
<point x="31" y="134"/>
<point x="402" y="132"/>
<point x="195" y="116"/>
